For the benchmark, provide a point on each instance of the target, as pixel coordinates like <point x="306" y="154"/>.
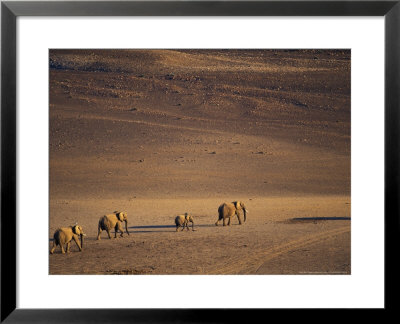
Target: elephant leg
<point x="68" y="245"/>
<point x="62" y="248"/>
<point x="229" y="221"/>
<point x="177" y="228"/>
<point x="216" y="223"/>
<point x="224" y="222"/>
<point x="108" y="232"/>
<point x="121" y="230"/>
<point x="77" y="243"/>
<point x="53" y="248"/>
<point x="98" y="233"/>
<point x="238" y="216"/>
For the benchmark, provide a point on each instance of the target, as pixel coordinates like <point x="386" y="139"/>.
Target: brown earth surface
<point x="157" y="133"/>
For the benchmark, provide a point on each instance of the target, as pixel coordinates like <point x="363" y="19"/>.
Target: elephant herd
<point x="64" y="235"/>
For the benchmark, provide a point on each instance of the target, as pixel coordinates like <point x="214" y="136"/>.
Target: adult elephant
<point x="113" y="221"/>
<point x="227" y="210"/>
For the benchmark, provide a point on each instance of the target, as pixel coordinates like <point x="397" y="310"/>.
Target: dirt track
<point x="159" y="133"/>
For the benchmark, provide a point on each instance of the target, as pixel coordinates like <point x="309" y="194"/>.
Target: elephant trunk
<point x="192" y="226"/>
<point x="81" y="241"/>
<point x="126" y="226"/>
<point x="244" y="214"/>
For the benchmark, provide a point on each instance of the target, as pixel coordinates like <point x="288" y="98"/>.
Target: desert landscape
<point x="157" y="133"/>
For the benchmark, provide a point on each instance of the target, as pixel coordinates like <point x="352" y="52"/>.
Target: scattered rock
<point x="299" y="104"/>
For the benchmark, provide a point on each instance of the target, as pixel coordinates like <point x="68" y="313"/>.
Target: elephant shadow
<point x="161" y="228"/>
<point x="316" y="219"/>
<point x="151" y="228"/>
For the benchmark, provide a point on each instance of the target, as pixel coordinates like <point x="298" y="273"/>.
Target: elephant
<point x="183" y="220"/>
<point x="227" y="210"/>
<point x="65" y="235"/>
<point x="113" y="221"/>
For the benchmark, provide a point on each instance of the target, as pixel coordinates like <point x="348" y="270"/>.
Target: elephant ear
<point x="237" y="204"/>
<point x="76" y="230"/>
<point x="120" y="216"/>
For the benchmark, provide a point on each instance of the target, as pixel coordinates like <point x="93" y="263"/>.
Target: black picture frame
<point x="10" y="10"/>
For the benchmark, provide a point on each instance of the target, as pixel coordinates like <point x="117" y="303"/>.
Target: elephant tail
<point x="100" y="226"/>
<point x="56" y="238"/>
<point x="221" y="212"/>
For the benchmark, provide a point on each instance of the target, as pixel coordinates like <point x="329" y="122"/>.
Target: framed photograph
<point x="190" y="161"/>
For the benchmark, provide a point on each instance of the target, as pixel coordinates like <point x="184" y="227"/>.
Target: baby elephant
<point x="113" y="221"/>
<point x="65" y="235"/>
<point x="183" y="220"/>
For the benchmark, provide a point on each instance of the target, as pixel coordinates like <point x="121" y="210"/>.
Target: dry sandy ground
<point x="158" y="133"/>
